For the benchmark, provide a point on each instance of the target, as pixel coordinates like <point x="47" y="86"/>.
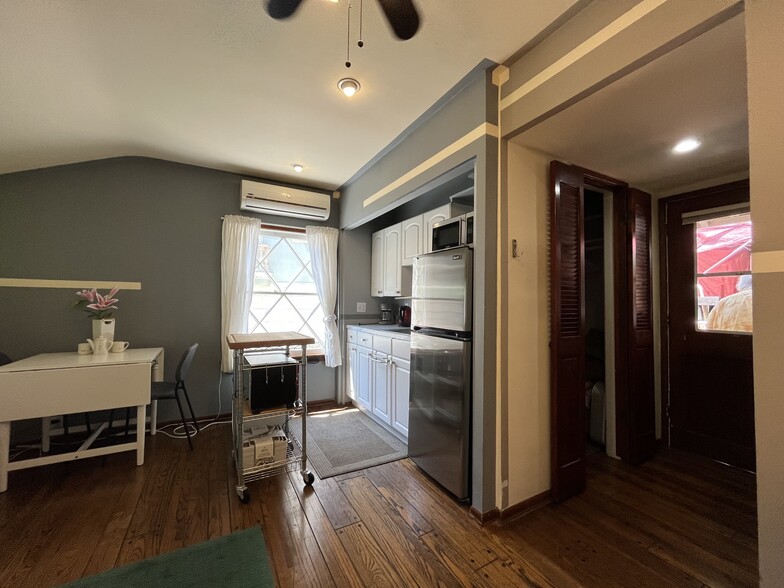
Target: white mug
<point x="119" y="346"/>
<point x="100" y="346"/>
<point x="84" y="349"/>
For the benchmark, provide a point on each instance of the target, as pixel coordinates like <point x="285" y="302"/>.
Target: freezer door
<point x="439" y="410"/>
<point x="441" y="290"/>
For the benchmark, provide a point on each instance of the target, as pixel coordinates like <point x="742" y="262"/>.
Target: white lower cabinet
<point x="364" y="377"/>
<point x="353" y="366"/>
<point x="381" y="386"/>
<point x="378" y="379"/>
<point x="401" y="375"/>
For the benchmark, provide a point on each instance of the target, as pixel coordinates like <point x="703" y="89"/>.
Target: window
<point x="284" y="292"/>
<point x="723" y="288"/>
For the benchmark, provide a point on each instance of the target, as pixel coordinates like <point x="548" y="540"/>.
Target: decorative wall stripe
<point x="478" y="132"/>
<point x="767" y="262"/>
<point x="617" y="26"/>
<point x="69" y="284"/>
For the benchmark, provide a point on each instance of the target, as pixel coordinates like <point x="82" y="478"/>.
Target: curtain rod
<point x="279" y="227"/>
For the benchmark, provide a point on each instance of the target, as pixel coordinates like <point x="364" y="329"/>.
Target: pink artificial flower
<point x="87" y="295"/>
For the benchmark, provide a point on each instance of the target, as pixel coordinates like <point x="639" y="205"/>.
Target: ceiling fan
<point x="401" y="14"/>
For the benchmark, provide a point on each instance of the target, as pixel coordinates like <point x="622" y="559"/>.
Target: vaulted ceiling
<point x="218" y="83"/>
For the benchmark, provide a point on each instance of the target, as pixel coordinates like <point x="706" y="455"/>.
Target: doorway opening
<point x="599" y="323"/>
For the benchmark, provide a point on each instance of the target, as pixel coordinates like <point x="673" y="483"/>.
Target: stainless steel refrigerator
<point x="439" y="421"/>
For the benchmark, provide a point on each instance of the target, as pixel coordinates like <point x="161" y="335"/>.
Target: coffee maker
<point x="386" y="314"/>
<point x="404" y="316"/>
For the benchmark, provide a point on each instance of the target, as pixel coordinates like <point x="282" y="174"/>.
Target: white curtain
<point x="323" y="246"/>
<point x="239" y="244"/>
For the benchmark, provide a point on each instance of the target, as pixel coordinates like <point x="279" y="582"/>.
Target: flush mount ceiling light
<point x="298" y="167"/>
<point x="349" y="86"/>
<point x="686" y="145"/>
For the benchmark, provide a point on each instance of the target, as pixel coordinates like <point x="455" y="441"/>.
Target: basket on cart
<point x="270" y="390"/>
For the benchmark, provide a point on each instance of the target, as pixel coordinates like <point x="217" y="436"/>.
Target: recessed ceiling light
<point x="349" y="86"/>
<point x="686" y="145"/>
<point x="298" y="167"/>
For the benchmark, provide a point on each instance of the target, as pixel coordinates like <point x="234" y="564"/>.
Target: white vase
<point x="103" y="328"/>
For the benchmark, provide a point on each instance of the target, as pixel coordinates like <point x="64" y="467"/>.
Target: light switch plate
<point x="361" y="307"/>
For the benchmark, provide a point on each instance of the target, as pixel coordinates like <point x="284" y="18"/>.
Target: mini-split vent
<point x="282" y="201"/>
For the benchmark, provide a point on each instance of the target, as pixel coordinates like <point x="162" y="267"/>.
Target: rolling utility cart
<point x="270" y="389"/>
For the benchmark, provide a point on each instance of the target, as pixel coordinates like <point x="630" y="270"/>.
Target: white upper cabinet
<point x="377" y="264"/>
<point x="392" y="265"/>
<point x="429" y="219"/>
<point x="413" y="239"/>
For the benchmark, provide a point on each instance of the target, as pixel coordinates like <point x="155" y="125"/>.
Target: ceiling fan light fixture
<point x="349" y="86"/>
<point x="686" y="145"/>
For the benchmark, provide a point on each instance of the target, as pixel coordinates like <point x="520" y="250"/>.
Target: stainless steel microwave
<point x="453" y="232"/>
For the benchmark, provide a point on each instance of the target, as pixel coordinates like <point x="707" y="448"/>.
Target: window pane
<point x="284" y="293"/>
<point x="723" y="289"/>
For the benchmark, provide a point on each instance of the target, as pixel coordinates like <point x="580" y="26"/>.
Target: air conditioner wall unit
<point x="282" y="201"/>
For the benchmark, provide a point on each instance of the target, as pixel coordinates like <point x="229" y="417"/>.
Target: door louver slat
<point x="642" y="269"/>
<point x="569" y="270"/>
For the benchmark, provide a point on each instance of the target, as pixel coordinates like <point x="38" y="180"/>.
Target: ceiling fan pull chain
<point x="348" y="36"/>
<point x="360" y="43"/>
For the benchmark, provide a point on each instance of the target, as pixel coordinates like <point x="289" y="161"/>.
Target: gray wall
<point x="474" y="103"/>
<point x="126" y="219"/>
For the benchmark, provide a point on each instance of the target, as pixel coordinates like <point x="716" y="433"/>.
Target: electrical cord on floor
<point x="178" y="432"/>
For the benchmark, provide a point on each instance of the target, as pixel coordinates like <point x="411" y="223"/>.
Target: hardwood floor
<point x="678" y="520"/>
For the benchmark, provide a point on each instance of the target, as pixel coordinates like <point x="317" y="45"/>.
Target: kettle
<point x="100" y="346"/>
<point x="404" y="319"/>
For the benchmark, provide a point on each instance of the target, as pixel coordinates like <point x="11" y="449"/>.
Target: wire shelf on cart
<point x="265" y="351"/>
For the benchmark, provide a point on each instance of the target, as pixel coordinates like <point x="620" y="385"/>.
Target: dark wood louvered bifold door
<point x="637" y="427"/>
<point x="567" y="341"/>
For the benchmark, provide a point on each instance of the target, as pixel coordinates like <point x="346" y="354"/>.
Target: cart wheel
<point x="308" y="477"/>
<point x="244" y="495"/>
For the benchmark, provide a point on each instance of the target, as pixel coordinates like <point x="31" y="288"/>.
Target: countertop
<point x="392" y="331"/>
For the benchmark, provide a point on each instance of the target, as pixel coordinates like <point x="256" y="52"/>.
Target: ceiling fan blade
<point x="282" y="8"/>
<point x="402" y="16"/>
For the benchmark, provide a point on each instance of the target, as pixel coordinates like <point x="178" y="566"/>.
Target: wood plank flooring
<point x="678" y="520"/>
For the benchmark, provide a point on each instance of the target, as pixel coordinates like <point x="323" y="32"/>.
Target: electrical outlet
<point x="361" y="307"/>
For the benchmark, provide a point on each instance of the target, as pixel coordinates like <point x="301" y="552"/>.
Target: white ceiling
<point x="627" y="129"/>
<point x="218" y="83"/>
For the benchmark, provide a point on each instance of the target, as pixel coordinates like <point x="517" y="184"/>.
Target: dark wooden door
<point x="567" y="331"/>
<point x="636" y="422"/>
<point x="708" y="374"/>
<point x="634" y="390"/>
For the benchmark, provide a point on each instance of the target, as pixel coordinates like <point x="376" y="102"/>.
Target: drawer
<point x="351" y="335"/>
<point x="364" y="339"/>
<point x="382" y="344"/>
<point x="401" y="349"/>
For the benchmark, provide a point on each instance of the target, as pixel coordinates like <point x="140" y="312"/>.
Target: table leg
<point x="141" y="413"/>
<point x="46" y="424"/>
<point x="5" y="449"/>
<point x="153" y="417"/>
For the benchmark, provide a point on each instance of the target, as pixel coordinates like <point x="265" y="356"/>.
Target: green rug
<point x="239" y="559"/>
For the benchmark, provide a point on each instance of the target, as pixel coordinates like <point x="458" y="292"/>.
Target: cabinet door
<point x="392" y="267"/>
<point x="430" y="218"/>
<point x="377" y="264"/>
<point x="381" y="387"/>
<point x="413" y="239"/>
<point x="401" y="375"/>
<point x="353" y="366"/>
<point x="364" y="373"/>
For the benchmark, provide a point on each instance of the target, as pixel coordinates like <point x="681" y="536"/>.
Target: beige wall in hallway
<point x="764" y="26"/>
<point x="528" y="365"/>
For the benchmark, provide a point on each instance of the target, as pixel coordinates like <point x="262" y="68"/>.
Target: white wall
<point x="528" y="365"/>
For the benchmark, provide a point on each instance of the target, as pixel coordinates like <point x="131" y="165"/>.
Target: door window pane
<point x="723" y="292"/>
